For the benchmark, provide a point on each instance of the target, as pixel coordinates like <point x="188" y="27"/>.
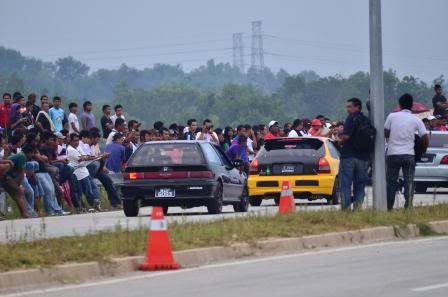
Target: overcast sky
<point x="328" y="36"/>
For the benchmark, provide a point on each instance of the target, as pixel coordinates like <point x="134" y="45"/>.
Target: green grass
<point x="122" y="242"/>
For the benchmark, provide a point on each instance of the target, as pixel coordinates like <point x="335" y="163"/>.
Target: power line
<point x="160" y="54"/>
<point x="140" y="48"/>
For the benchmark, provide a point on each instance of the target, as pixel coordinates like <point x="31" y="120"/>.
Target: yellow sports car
<point x="311" y="164"/>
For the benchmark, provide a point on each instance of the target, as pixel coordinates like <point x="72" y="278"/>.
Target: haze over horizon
<point x="329" y="37"/>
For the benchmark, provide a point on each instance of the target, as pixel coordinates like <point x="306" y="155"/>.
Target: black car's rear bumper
<point x="186" y="191"/>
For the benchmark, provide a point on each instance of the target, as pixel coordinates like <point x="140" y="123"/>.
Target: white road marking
<point x="220" y="265"/>
<point x="429" y="288"/>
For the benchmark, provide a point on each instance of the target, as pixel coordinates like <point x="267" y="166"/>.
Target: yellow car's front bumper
<point x="321" y="184"/>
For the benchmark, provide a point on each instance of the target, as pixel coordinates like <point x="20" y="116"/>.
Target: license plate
<point x="165" y="193"/>
<point x="288" y="169"/>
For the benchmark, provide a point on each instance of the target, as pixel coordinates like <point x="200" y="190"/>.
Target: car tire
<point x="165" y="210"/>
<point x="243" y="205"/>
<point x="215" y="206"/>
<point x="420" y="188"/>
<point x="277" y="201"/>
<point x="131" y="207"/>
<point x="335" y="197"/>
<point x="255" y="201"/>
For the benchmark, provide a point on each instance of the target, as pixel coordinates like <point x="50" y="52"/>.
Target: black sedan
<point x="183" y="173"/>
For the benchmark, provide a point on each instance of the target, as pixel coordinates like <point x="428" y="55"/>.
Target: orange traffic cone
<point x="287" y="203"/>
<point x="158" y="251"/>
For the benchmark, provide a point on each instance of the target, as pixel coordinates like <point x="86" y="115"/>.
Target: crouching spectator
<point x="79" y="162"/>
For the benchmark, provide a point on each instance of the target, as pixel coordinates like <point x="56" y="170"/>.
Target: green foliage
<point x="216" y="91"/>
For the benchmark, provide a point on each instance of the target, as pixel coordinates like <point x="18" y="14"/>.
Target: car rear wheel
<point x="131" y="207"/>
<point x="243" y="205"/>
<point x="335" y="197"/>
<point x="165" y="209"/>
<point x="255" y="201"/>
<point x="215" y="206"/>
<point x="420" y="188"/>
<point x="277" y="201"/>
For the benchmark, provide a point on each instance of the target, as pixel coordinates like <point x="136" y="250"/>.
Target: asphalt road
<point x="50" y="227"/>
<point x="398" y="269"/>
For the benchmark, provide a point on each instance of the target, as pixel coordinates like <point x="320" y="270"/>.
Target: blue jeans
<point x="51" y="204"/>
<point x="352" y="172"/>
<point x="87" y="187"/>
<point x="407" y="164"/>
<point x="112" y="195"/>
<point x="29" y="197"/>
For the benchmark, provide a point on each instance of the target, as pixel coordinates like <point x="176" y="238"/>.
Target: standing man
<point x="354" y="163"/>
<point x="274" y="130"/>
<point x="32" y="100"/>
<point x="192" y="127"/>
<point x="400" y="129"/>
<point x="73" y="122"/>
<point x="106" y="123"/>
<point x="56" y="114"/>
<point x="5" y="113"/>
<point x="118" y="113"/>
<point x="439" y="102"/>
<point x="207" y="133"/>
<point x="87" y="117"/>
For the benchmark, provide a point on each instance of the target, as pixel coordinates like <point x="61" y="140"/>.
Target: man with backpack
<point x="357" y="141"/>
<point x="400" y="131"/>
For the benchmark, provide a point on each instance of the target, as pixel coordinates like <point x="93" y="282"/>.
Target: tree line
<point x="215" y="90"/>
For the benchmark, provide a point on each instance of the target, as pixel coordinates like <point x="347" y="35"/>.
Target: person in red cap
<point x="273" y="130"/>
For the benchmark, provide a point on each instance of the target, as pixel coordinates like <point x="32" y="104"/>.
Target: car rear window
<point x="303" y="147"/>
<point x="162" y="154"/>
<point x="438" y="140"/>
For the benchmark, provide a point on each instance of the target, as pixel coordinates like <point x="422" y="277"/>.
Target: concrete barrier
<point x="80" y="272"/>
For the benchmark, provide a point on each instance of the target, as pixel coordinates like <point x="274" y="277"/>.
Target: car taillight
<point x="444" y="160"/>
<point x="133" y="175"/>
<point x="253" y="168"/>
<point x="324" y="166"/>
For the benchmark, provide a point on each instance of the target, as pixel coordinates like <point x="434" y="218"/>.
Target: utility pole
<point x="238" y="51"/>
<point x="377" y="105"/>
<point x="257" y="55"/>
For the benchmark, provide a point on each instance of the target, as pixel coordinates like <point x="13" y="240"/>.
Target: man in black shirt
<point x="106" y="122"/>
<point x="439" y="102"/>
<point x="35" y="109"/>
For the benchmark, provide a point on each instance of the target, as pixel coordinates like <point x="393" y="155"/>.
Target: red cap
<point x="316" y="122"/>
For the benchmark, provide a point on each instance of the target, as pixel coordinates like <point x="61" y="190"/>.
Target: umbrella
<point x="416" y="108"/>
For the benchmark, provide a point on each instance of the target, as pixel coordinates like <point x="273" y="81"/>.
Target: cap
<point x="316" y="122"/>
<point x="272" y="123"/>
<point x="59" y="135"/>
<point x="431" y="117"/>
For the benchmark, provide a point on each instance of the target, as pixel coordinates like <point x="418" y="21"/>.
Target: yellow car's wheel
<point x="335" y="197"/>
<point x="255" y="201"/>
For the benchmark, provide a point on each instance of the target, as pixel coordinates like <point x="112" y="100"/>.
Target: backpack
<point x="364" y="134"/>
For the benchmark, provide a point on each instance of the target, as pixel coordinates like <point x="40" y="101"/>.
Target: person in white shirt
<point x="118" y="114"/>
<point x="296" y="129"/>
<point x="73" y="121"/>
<point x="400" y="130"/>
<point x="207" y="132"/>
<point x="78" y="160"/>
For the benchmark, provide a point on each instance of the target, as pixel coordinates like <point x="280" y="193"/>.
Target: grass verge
<point x="122" y="242"/>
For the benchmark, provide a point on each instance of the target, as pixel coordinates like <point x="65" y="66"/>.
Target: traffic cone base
<point x="287" y="203"/>
<point x="159" y="255"/>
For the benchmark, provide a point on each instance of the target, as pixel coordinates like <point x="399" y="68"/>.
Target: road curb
<point x="81" y="272"/>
